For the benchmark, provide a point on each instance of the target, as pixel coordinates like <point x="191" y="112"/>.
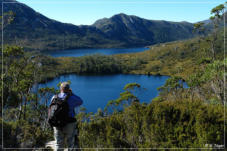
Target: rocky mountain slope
<point x="34" y="31"/>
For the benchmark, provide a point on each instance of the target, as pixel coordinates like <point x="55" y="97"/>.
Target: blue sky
<point x="86" y="12"/>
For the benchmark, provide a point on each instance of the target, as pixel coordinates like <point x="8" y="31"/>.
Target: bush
<point x="165" y="124"/>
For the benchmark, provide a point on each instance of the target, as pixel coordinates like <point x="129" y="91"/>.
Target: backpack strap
<point x="56" y="96"/>
<point x="67" y="96"/>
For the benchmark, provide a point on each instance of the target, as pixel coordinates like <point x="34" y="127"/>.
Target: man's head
<point x="64" y="87"/>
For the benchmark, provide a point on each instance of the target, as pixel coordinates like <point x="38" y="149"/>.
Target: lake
<point x="97" y="90"/>
<point x="83" y="52"/>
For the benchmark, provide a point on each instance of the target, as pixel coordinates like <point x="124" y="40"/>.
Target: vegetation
<point x="24" y="116"/>
<point x="179" y="58"/>
<point x="168" y="124"/>
<point x="178" y="118"/>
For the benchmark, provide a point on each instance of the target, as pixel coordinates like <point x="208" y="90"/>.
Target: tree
<point x="128" y="95"/>
<point x="126" y="99"/>
<point x="199" y="27"/>
<point x="218" y="12"/>
<point x="7" y="18"/>
<point x="21" y="72"/>
<point x="209" y="82"/>
<point x="172" y="86"/>
<point x="214" y="74"/>
<point x="46" y="93"/>
<point x="195" y="83"/>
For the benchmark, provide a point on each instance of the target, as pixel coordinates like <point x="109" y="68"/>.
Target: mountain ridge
<point x="131" y="25"/>
<point x="35" y="31"/>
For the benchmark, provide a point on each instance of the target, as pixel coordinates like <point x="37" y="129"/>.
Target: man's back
<point x="69" y="130"/>
<point x="73" y="102"/>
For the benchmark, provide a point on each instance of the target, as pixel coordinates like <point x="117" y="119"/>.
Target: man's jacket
<point x="73" y="101"/>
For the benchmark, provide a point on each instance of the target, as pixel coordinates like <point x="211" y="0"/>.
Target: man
<point x="67" y="132"/>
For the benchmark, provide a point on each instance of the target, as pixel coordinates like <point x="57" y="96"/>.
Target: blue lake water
<point x="83" y="52"/>
<point x="97" y="90"/>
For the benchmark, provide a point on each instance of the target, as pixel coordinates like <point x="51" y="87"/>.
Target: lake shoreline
<point x="66" y="65"/>
<point x="48" y="79"/>
<point x="93" y="51"/>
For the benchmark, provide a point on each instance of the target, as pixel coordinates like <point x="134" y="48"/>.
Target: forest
<point x="179" y="117"/>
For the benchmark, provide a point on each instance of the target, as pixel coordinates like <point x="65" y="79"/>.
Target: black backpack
<point x="58" y="112"/>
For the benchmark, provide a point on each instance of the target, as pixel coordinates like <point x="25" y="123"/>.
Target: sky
<point x="86" y="12"/>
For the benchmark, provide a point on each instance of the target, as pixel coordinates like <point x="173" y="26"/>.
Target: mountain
<point x="34" y="31"/>
<point x="138" y="31"/>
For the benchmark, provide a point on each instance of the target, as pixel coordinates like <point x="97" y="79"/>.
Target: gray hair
<point x="64" y="86"/>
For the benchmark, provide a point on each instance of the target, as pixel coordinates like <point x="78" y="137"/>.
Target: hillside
<point x="136" y="31"/>
<point x="34" y="31"/>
